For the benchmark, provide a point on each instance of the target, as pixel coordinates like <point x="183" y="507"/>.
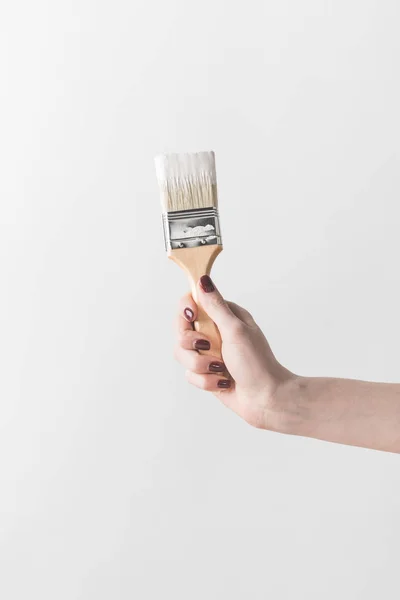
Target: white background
<point x="118" y="480"/>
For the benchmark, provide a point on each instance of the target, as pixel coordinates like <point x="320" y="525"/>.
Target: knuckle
<point x="204" y="384"/>
<point x="183" y="339"/>
<point x="235" y="308"/>
<point x="251" y="323"/>
<point x="248" y="316"/>
<point x="195" y="361"/>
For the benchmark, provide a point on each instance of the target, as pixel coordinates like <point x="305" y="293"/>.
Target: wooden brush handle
<point x="197" y="262"/>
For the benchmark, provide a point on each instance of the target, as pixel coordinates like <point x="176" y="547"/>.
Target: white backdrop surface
<point x="118" y="480"/>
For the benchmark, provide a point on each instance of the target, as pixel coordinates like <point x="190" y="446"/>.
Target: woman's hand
<point x="257" y="387"/>
<point x="266" y="395"/>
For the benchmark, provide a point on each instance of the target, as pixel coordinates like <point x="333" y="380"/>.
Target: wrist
<point x="289" y="410"/>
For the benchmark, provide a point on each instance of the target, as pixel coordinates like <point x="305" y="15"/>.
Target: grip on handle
<point x="197" y="262"/>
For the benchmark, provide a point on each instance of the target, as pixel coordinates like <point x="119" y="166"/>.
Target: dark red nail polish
<point x="202" y="345"/>
<point x="224" y="383"/>
<point x="189" y="315"/>
<point x="207" y="284"/>
<point x="216" y="367"/>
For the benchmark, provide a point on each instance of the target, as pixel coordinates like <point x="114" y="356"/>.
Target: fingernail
<point x="207" y="284"/>
<point x="224" y="383"/>
<point x="216" y="367"/>
<point x="189" y="314"/>
<point x="202" y="345"/>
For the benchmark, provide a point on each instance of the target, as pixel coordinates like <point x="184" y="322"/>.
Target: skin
<point x="268" y="396"/>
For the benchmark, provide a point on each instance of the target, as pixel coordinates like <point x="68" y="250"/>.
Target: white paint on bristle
<point x="171" y="167"/>
<point x="187" y="181"/>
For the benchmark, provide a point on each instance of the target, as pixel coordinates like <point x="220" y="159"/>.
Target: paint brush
<point x="188" y="186"/>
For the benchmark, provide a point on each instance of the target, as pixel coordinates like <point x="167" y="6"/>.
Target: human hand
<point x="256" y="381"/>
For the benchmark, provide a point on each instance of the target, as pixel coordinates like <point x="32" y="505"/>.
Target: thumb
<point x="214" y="304"/>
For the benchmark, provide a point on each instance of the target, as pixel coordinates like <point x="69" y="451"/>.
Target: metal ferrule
<point x="191" y="228"/>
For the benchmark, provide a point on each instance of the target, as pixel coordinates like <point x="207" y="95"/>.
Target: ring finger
<point x="198" y="363"/>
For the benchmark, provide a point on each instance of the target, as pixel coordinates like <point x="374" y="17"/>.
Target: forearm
<point x="346" y="411"/>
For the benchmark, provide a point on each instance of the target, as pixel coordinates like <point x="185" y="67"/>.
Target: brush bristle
<point x="187" y="181"/>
